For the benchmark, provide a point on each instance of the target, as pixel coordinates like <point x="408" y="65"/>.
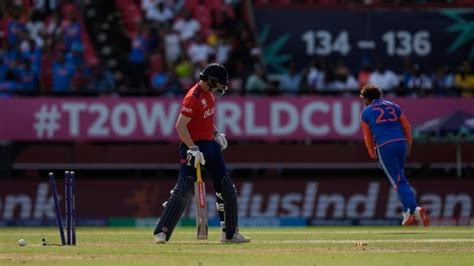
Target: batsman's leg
<point x="229" y="196"/>
<point x="226" y="196"/>
<point x="220" y="209"/>
<point x="179" y="199"/>
<point x="220" y="212"/>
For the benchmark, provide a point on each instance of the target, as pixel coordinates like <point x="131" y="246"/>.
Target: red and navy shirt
<point x="200" y="106"/>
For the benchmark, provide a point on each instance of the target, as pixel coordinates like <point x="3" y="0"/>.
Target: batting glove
<point x="196" y="156"/>
<point x="220" y="138"/>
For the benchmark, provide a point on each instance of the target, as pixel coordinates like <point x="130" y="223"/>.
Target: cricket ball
<point x="21" y="242"/>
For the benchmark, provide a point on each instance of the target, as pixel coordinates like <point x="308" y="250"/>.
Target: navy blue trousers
<point x="215" y="164"/>
<point x="392" y="160"/>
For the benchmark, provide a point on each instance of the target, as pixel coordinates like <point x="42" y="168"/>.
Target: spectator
<point x="101" y="81"/>
<point x="384" y="78"/>
<point x="45" y="70"/>
<point x="3" y="68"/>
<point x="30" y="50"/>
<point x="24" y="45"/>
<point x="419" y="81"/>
<point x="223" y="49"/>
<point x="136" y="59"/>
<point x="156" y="63"/>
<point x="159" y="12"/>
<point x="75" y="56"/>
<point x="290" y="81"/>
<point x="202" y="13"/>
<point x="184" y="72"/>
<point x="14" y="28"/>
<point x="154" y="40"/>
<point x="28" y="77"/>
<point x="464" y="80"/>
<point x="52" y="26"/>
<point x="443" y="80"/>
<point x="165" y="83"/>
<point x="216" y="32"/>
<point x="242" y="46"/>
<point x="187" y="26"/>
<point x="81" y="77"/>
<point x="149" y="4"/>
<point x="316" y="76"/>
<point x="172" y="46"/>
<point x="255" y="56"/>
<point x="11" y="57"/>
<point x="343" y="80"/>
<point x="45" y="5"/>
<point x="72" y="32"/>
<point x="159" y="80"/>
<point x="257" y="83"/>
<point x="199" y="51"/>
<point x="10" y="84"/>
<point x="31" y="36"/>
<point x="364" y="75"/>
<point x="35" y="56"/>
<point x="62" y="76"/>
<point x="176" y="5"/>
<point x="173" y="85"/>
<point x="236" y="85"/>
<point x="3" y="26"/>
<point x="36" y="28"/>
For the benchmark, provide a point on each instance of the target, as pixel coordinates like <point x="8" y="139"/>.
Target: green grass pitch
<point x="269" y="246"/>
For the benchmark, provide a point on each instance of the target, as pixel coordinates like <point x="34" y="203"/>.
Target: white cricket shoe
<point x="237" y="238"/>
<point x="160" y="238"/>
<point x="409" y="219"/>
<point x="421" y="216"/>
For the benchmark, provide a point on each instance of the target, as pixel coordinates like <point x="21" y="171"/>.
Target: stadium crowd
<point x="45" y="48"/>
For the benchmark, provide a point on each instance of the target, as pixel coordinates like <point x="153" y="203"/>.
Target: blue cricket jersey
<point x="383" y="119"/>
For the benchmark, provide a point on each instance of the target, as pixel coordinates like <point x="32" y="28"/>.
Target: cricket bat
<point x="201" y="205"/>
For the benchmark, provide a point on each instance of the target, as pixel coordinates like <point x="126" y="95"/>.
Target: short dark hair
<point x="371" y="92"/>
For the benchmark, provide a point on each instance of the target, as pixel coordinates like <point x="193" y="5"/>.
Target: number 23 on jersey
<point x="385" y="114"/>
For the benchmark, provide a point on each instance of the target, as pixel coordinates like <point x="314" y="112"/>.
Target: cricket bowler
<point x="387" y="136"/>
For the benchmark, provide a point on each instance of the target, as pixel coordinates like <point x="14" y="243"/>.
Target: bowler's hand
<point x="373" y="155"/>
<point x="195" y="155"/>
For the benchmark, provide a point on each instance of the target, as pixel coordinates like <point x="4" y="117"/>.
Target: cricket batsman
<point x="201" y="143"/>
<point x="387" y="135"/>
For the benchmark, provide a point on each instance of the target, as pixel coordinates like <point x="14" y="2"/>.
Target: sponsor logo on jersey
<point x="186" y="109"/>
<point x="208" y="112"/>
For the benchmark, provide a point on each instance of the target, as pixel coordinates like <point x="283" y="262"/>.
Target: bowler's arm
<point x="368" y="139"/>
<point x="407" y="131"/>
